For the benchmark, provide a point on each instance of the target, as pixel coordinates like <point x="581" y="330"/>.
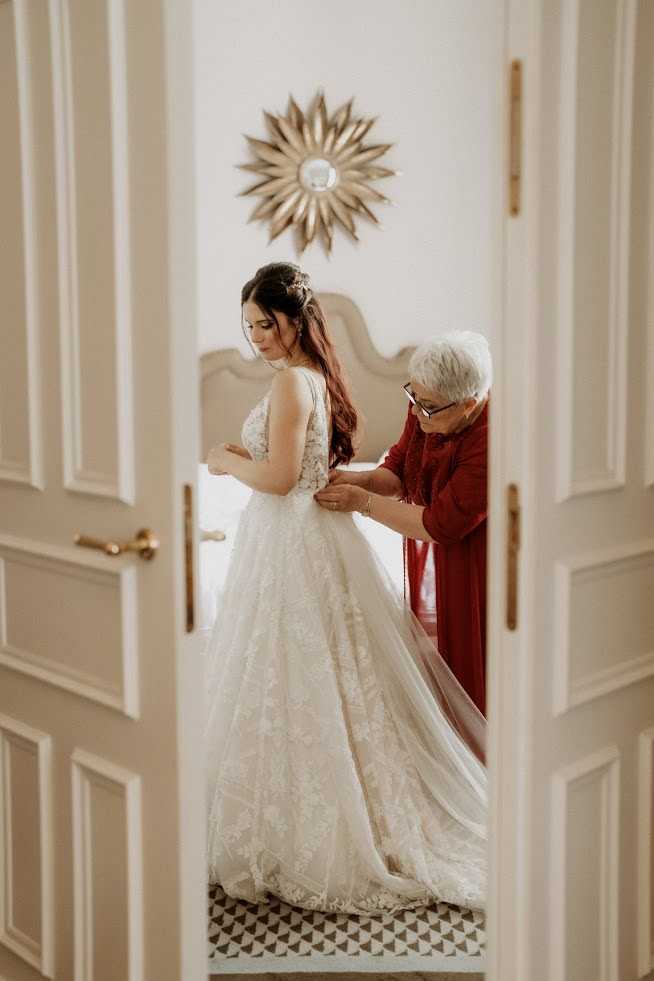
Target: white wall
<point x="428" y="69"/>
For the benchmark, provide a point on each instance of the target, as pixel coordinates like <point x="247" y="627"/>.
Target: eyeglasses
<point x="425" y="411"/>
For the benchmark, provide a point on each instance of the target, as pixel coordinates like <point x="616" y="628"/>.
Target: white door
<point x="102" y="818"/>
<point x="572" y="688"/>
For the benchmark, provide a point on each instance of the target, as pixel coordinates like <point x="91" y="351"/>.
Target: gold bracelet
<point x="366" y="509"/>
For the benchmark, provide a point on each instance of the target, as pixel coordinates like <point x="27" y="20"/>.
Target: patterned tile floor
<point x="287" y="937"/>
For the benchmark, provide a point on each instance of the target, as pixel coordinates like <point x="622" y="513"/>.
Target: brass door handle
<point x="512" y="550"/>
<point x="515" y="138"/>
<point x="145" y="544"/>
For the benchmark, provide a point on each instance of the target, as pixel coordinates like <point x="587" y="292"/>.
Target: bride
<point x="342" y="761"/>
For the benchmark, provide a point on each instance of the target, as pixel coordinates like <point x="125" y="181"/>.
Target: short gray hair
<point x="457" y="365"/>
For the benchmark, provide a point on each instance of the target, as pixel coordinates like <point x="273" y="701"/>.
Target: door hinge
<point x="512" y="550"/>
<point x="515" y="138"/>
<point x="188" y="558"/>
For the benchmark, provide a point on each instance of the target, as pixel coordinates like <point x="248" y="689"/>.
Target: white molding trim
<point x="568" y="484"/>
<point x="77" y="476"/>
<point x="567" y="694"/>
<point x="105" y="571"/>
<point x="649" y="337"/>
<point x="38" y="953"/>
<point x="122" y="249"/>
<point x="645" y="897"/>
<point x="569" y="35"/>
<point x="602" y="766"/>
<point x="86" y="769"/>
<point x="13" y="471"/>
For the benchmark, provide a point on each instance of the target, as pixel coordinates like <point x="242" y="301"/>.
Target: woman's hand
<point x="218" y="458"/>
<point x="356" y="478"/>
<point x="342" y="497"/>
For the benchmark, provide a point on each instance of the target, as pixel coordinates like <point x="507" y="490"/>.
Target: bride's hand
<point x="341" y="497"/>
<point x="217" y="460"/>
<point x="239" y="450"/>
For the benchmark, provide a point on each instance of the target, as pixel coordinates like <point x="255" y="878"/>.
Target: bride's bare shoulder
<point x="290" y="383"/>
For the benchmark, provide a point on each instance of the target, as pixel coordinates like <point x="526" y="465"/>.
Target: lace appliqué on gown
<point x="315" y="470"/>
<point x="334" y="778"/>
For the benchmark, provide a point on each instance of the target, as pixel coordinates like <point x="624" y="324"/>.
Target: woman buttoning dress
<point x="342" y="757"/>
<point x="439" y="467"/>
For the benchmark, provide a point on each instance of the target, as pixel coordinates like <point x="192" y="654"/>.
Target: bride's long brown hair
<point x="283" y="287"/>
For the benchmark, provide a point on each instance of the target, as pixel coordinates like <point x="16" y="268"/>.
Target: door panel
<point x="28" y="919"/>
<point x="92" y="171"/>
<point x="597" y="48"/>
<point x="107" y="852"/>
<point x="102" y="817"/>
<point x="21" y="459"/>
<point x="95" y="656"/>
<point x="579" y="670"/>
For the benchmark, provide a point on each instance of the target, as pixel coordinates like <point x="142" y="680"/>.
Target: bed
<point x="232" y="384"/>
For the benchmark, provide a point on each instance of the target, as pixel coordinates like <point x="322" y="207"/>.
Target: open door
<point x="572" y="682"/>
<point x="102" y="819"/>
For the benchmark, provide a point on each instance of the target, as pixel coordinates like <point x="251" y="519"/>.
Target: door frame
<point x="510" y="457"/>
<point x="185" y="387"/>
<point x="512" y="326"/>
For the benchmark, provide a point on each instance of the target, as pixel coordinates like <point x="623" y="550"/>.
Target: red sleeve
<point x="462" y="503"/>
<point x="394" y="460"/>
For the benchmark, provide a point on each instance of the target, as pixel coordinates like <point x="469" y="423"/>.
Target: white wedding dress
<point x="335" y="780"/>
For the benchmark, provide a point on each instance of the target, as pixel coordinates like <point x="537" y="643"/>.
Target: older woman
<point x="439" y="470"/>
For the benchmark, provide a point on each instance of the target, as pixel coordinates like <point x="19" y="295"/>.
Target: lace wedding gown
<point x="335" y="780"/>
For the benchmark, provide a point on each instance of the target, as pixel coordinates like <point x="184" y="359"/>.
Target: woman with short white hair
<point x="438" y="470"/>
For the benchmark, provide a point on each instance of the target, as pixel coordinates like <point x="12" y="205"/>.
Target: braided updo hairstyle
<point x="283" y="287"/>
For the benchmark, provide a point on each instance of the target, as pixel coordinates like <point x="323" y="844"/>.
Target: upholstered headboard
<point x="232" y="384"/>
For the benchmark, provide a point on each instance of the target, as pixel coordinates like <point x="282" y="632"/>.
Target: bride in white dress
<point x="339" y="769"/>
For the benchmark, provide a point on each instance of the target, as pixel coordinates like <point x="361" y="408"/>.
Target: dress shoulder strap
<point x="320" y="397"/>
<point x="312" y="380"/>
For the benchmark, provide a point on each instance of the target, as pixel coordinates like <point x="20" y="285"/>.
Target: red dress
<point x="447" y="578"/>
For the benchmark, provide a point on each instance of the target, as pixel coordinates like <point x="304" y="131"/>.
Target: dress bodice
<point x="315" y="461"/>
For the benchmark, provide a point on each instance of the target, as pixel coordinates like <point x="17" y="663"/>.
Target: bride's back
<point x="315" y="460"/>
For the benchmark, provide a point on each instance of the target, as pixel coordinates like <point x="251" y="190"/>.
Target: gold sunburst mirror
<point x="317" y="172"/>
